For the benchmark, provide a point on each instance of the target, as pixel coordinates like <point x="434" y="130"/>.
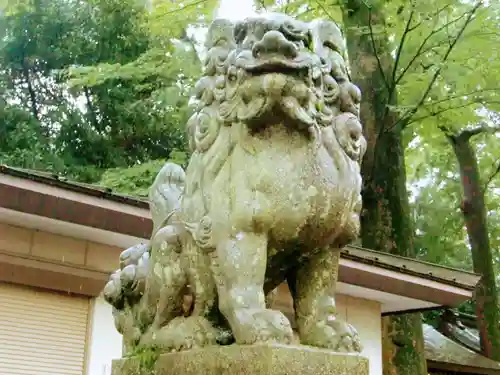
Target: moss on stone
<point x="145" y="358"/>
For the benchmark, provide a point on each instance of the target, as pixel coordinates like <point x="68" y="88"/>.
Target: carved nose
<point x="274" y="42"/>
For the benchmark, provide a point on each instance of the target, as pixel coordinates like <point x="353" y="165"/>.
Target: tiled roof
<point x="441" y="349"/>
<point x="62" y="182"/>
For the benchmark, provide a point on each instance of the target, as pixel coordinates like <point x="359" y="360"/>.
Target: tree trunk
<point x="385" y="222"/>
<point x="31" y="92"/>
<point x="90" y="107"/>
<point x="474" y="212"/>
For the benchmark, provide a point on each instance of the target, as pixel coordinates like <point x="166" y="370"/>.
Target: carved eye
<point x="232" y="74"/>
<point x="330" y="45"/>
<point x="330" y="83"/>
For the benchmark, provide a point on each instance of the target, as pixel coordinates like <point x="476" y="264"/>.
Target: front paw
<point x="182" y="334"/>
<point x="126" y="285"/>
<point x="333" y="334"/>
<point x="274" y="327"/>
<point x="262" y="326"/>
<point x="126" y="325"/>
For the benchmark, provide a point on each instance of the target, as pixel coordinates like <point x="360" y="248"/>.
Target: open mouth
<point x="301" y="73"/>
<point x="299" y="69"/>
<point x="272" y="63"/>
<point x="276" y="64"/>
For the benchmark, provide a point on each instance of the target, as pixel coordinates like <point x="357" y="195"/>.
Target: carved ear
<point x="220" y="33"/>
<point x="328" y="35"/>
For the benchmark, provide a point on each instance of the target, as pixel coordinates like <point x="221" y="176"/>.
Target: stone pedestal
<point x="245" y="360"/>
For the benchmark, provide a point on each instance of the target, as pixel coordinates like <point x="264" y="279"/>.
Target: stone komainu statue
<point x="271" y="194"/>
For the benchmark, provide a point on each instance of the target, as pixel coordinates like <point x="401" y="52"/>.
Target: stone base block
<point x="245" y="360"/>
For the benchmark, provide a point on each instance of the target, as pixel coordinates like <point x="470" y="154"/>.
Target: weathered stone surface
<point x="248" y="360"/>
<point x="271" y="194"/>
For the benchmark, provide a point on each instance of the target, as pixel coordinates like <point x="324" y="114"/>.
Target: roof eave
<point x="60" y="182"/>
<point x="446" y="275"/>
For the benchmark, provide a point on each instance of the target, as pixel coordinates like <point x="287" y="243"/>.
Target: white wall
<point x="365" y="316"/>
<point x="105" y="341"/>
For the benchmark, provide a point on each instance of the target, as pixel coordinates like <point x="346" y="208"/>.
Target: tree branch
<point x="287" y="5"/>
<point x="438" y="112"/>
<point x="447" y="41"/>
<point x="325" y="10"/>
<point x="261" y="4"/>
<point x="184" y="7"/>
<point x="465" y="134"/>
<point x="483" y="127"/>
<point x="430" y="17"/>
<point x="308" y="10"/>
<point x="398" y="57"/>
<point x="421" y="50"/>
<point x="475" y="100"/>
<point x="447" y="133"/>
<point x="403" y="121"/>
<point x="460" y="95"/>
<point x="409" y="29"/>
<point x="374" y="47"/>
<point x="490" y="179"/>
